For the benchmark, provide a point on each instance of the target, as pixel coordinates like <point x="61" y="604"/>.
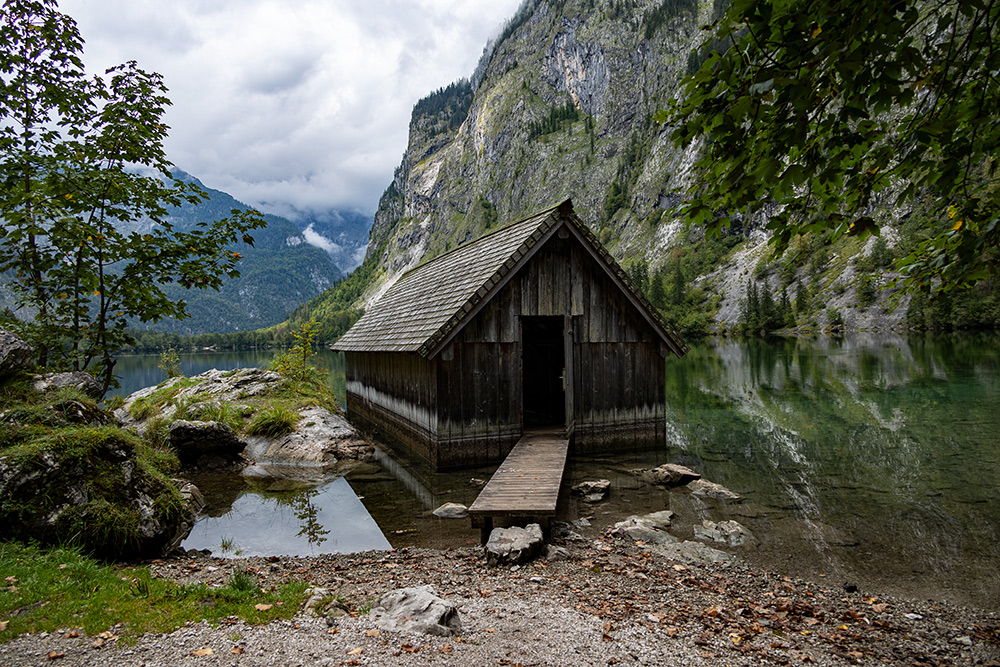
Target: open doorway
<point x="543" y="371"/>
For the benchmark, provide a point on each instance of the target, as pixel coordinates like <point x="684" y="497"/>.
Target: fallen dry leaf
<point x="490" y="630"/>
<point x="356" y="651"/>
<point x="446" y="648"/>
<point x="107" y="635"/>
<point x="680" y="568"/>
<point x="11" y="580"/>
<point x="238" y="650"/>
<point x="4" y="624"/>
<point x="409" y="648"/>
<point x="262" y="606"/>
<point x="334" y="631"/>
<point x="202" y="652"/>
<point x="72" y="634"/>
<point x="373" y="633"/>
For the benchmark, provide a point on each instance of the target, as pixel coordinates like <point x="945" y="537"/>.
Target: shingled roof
<point x="430" y="302"/>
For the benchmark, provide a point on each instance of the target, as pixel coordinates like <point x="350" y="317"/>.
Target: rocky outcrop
<point x="417" y="609"/>
<point x="513" y="546"/>
<point x="82" y="382"/>
<point x="15" y="354"/>
<point x="320" y="438"/>
<point x="96" y="494"/>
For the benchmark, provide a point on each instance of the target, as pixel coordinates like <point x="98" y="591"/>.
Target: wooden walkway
<point x="526" y="485"/>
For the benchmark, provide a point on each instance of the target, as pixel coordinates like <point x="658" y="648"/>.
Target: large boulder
<point x="15" y="354"/>
<point x="417" y="609"/>
<point x="515" y="545"/>
<point x="206" y="444"/>
<point x="668" y="474"/>
<point x="320" y="438"/>
<point x="82" y="382"/>
<point x="96" y="494"/>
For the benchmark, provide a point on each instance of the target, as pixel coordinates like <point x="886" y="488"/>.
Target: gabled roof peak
<point x="429" y="303"/>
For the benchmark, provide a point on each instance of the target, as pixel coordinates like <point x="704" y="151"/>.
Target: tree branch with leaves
<point x="86" y="196"/>
<point x="830" y="108"/>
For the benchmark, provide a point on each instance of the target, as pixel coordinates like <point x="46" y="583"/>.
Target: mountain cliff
<point x="560" y="106"/>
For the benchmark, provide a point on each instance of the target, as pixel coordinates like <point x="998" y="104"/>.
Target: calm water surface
<point x="870" y="458"/>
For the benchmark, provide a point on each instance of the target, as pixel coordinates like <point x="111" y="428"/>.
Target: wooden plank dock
<point x="526" y="485"/>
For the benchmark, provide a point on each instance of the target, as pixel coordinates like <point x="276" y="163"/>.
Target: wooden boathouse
<point x="533" y="326"/>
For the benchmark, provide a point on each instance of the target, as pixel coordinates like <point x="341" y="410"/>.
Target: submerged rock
<point x="725" y="532"/>
<point x="513" y="546"/>
<point x="668" y="474"/>
<point x="704" y="488"/>
<point x="417" y="609"/>
<point x="592" y="491"/>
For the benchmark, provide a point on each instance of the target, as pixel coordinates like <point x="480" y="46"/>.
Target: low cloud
<point x="301" y="104"/>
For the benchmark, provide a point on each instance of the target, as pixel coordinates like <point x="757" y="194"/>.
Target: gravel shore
<point x="610" y="602"/>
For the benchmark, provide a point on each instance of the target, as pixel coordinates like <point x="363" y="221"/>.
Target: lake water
<point x="870" y="458"/>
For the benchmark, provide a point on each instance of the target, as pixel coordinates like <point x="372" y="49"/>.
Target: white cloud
<point x="304" y="104"/>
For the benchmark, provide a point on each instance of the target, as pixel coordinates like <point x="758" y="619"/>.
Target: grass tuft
<point x="273" y="422"/>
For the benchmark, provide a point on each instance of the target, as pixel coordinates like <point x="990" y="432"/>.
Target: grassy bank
<point x="45" y="590"/>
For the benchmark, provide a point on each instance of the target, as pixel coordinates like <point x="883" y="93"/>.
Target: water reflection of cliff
<point x="888" y="438"/>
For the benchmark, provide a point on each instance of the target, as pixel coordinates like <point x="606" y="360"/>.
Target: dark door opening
<point x="543" y="371"/>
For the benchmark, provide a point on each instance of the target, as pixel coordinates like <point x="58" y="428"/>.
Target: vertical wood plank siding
<point x="467" y="410"/>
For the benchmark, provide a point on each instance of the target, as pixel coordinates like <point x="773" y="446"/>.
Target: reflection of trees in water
<point x="304" y="510"/>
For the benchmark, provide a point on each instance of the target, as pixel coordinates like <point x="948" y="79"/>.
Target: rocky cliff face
<point x="562" y="107"/>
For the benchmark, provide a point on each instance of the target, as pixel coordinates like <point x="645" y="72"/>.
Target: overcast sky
<point x="300" y="102"/>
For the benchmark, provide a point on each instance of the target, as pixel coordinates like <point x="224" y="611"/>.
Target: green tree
<point x="81" y="164"/>
<point x="829" y="106"/>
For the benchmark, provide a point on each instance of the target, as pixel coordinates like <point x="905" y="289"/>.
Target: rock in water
<point x="320" y="438"/>
<point x="668" y="474"/>
<point x="84" y="382"/>
<point x="417" y="609"/>
<point x="512" y="546"/>
<point x="205" y="443"/>
<point x="592" y="491"/>
<point x="702" y="487"/>
<point x="452" y="511"/>
<point x="726" y="532"/>
<point x="15" y="354"/>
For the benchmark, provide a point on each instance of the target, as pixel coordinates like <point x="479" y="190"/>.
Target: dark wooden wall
<point x="393" y="395"/>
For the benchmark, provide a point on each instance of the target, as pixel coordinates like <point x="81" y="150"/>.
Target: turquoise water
<point x="870" y="458"/>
